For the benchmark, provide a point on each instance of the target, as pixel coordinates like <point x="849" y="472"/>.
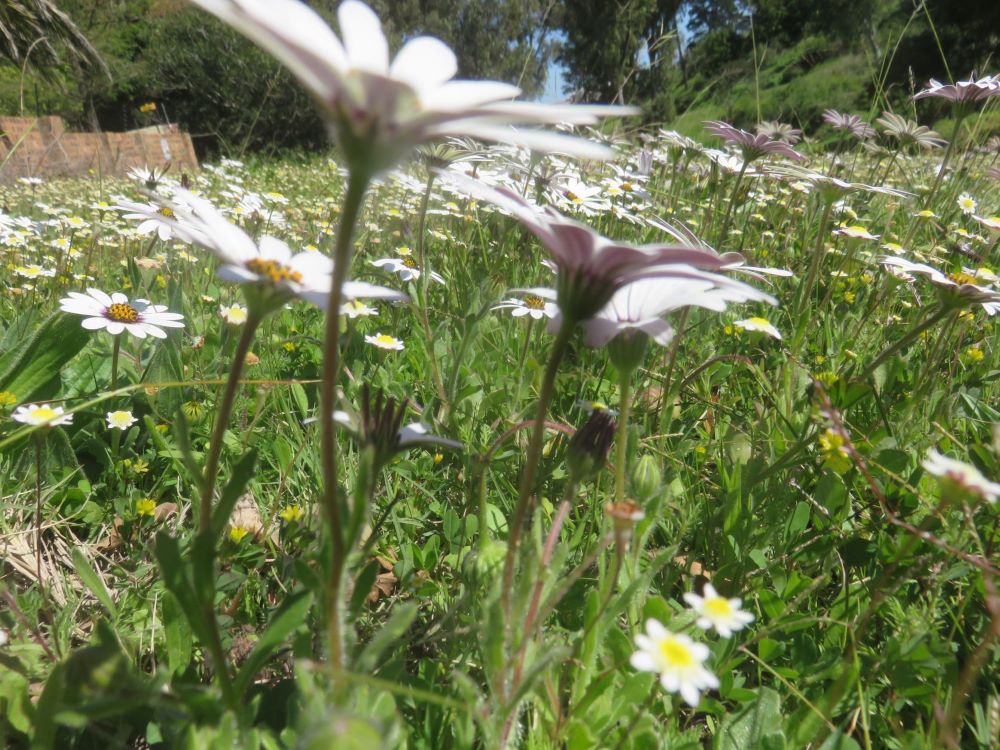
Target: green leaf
<point x="175" y="577"/>
<point x="178" y="634"/>
<point x="394" y="628"/>
<point x="755" y="727"/>
<point x="238" y="482"/>
<point x="290" y="615"/>
<point x="93" y="581"/>
<point x="34" y="367"/>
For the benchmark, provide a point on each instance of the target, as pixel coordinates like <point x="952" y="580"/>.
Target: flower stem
<point x="732" y="202"/>
<point x="906" y="340"/>
<point x="211" y="472"/>
<point x="814" y="264"/>
<point x="624" y="409"/>
<point x="115" y="349"/>
<point x="357" y="186"/>
<point x="531" y="461"/>
<point x="38" y="507"/>
<point x="425" y="277"/>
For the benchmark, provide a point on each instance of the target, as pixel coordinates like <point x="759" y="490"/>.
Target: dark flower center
<point x="960" y="277"/>
<point x="122" y="313"/>
<point x="274" y="271"/>
<point x="533" y="302"/>
<point x="409" y="262"/>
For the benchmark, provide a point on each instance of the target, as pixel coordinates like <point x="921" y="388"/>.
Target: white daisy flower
<point x="758" y="324"/>
<point x="532" y="304"/>
<point x="717" y="612"/>
<point x="406" y="268"/>
<point x="235" y="315"/>
<point x="41" y="414"/>
<point x="957" y="477"/>
<point x="967" y="203"/>
<point x="120" y="420"/>
<point x="677" y="658"/>
<point x="357" y="309"/>
<point x="385" y="341"/>
<point x="115" y="313"/>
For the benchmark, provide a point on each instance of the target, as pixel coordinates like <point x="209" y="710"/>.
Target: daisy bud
<point x="646" y="477"/>
<point x="627" y="350"/>
<point x="588" y="448"/>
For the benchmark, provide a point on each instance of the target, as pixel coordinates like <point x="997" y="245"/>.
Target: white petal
<point x="100" y="296"/>
<point x="643" y="662"/>
<point x="361" y="31"/>
<point x="94" y="324"/>
<point x="425" y="63"/>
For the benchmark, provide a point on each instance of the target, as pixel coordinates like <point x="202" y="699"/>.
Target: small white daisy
<point x="758" y="324"/>
<point x="967" y="203"/>
<point x="531" y="304"/>
<point x="41" y="414"/>
<point x="357" y="309"/>
<point x="717" y="612"/>
<point x="677" y="658"/>
<point x="385" y="341"/>
<point x="115" y="313"/>
<point x="120" y="420"/>
<point x="235" y="315"/>
<point x="406" y="268"/>
<point x="959" y="478"/>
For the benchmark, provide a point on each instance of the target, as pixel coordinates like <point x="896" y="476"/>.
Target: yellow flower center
<point x="274" y="271"/>
<point x="44" y="413"/>
<point x="718" y="607"/>
<point x="573" y="197"/>
<point x="383" y="338"/>
<point x="675" y="653"/>
<point x="960" y="277"/>
<point x="168" y="212"/>
<point x="533" y="302"/>
<point x="409" y="262"/>
<point x="626" y="186"/>
<point x="122" y="313"/>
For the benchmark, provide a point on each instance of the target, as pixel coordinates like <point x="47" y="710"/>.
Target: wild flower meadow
<point x="572" y="435"/>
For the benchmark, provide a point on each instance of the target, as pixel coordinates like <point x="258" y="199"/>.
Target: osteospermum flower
<point x="641" y="305"/>
<point x="714" y="611"/>
<point x="752" y="146"/>
<point x="678" y="660"/>
<point x="381" y="110"/>
<point x="385" y="341"/>
<point x="589" y="267"/>
<point x="152" y="218"/>
<point x="116" y="314"/>
<point x="851" y="123"/>
<point x="41" y="414"/>
<point x="967" y="203"/>
<point x="958" y="479"/>
<point x="760" y="325"/>
<point x="990" y="222"/>
<point x="357" y="309"/>
<point x="962" y="92"/>
<point x="120" y="420"/>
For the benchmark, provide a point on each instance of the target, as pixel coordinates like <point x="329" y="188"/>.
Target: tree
<point x="37" y="33"/>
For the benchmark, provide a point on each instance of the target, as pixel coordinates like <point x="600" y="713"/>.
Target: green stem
<point x="424" y="285"/>
<point x="624" y="410"/>
<point x="115" y="349"/>
<point x="905" y="341"/>
<point x="532" y="458"/>
<point x="810" y="281"/>
<point x="732" y="202"/>
<point x="357" y="186"/>
<point x="211" y="472"/>
<point x="38" y="508"/>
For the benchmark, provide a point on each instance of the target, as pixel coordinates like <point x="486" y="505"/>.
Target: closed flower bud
<point x="588" y="448"/>
<point x="646" y="477"/>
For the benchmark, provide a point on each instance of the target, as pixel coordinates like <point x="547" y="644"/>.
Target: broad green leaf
<point x="33" y="368"/>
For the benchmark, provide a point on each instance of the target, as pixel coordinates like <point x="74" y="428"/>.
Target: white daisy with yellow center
<point x="41" y="414"/>
<point x="385" y="341"/>
<point x="761" y="325"/>
<point x="357" y="309"/>
<point x="967" y="203"/>
<point x="235" y="315"/>
<point x="714" y="611"/>
<point x="678" y="660"/>
<point x="856" y="231"/>
<point x="120" y="420"/>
